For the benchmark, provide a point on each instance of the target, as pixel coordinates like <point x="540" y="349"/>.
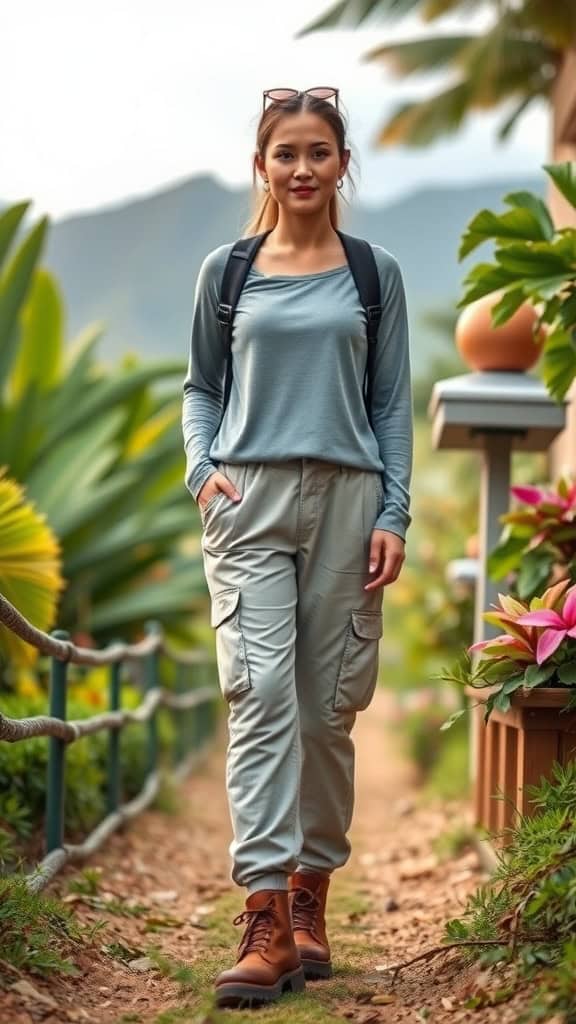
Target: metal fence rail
<point x="193" y="732"/>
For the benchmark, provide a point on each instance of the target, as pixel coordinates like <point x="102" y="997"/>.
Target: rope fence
<point x="194" y="713"/>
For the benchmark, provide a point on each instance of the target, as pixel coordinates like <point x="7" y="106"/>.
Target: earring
<point x="266" y="183"/>
<point x="340" y="184"/>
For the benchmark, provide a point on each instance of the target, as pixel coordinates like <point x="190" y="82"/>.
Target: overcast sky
<point x="106" y="100"/>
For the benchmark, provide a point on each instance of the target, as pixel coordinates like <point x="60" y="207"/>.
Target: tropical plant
<point x="100" y="453"/>
<point x="513" y="62"/>
<point x="538" y="542"/>
<point x="538" y="648"/>
<point x="532" y="262"/>
<point x="29" y="568"/>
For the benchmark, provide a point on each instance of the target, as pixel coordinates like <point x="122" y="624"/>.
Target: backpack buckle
<point x="373" y="315"/>
<point x="224" y="314"/>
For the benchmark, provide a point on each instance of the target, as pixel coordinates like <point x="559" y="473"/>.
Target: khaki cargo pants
<point x="297" y="650"/>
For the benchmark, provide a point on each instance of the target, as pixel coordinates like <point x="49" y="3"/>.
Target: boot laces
<point x="259" y="926"/>
<point x="304" y="909"/>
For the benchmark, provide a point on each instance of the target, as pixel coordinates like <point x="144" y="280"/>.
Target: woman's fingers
<point x="215" y="483"/>
<point x="386" y="558"/>
<point x="226" y="485"/>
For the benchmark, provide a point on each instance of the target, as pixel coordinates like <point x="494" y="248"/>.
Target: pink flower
<point x="505" y="644"/>
<point x="558" y="625"/>
<point x="538" y="496"/>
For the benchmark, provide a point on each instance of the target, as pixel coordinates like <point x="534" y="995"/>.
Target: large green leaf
<point x="564" y="177"/>
<point x="22" y="431"/>
<point x="130" y="533"/>
<point x="559" y="363"/>
<point x="92" y="500"/>
<point x="507" y="305"/>
<point x="533" y="260"/>
<point x="76" y="462"/>
<point x="10" y="220"/>
<point x="519" y="223"/>
<point x="39" y="355"/>
<point x="535" y="568"/>
<point x="14" y="285"/>
<point x="151" y="599"/>
<point x="484" y="279"/>
<point x="505" y="557"/>
<point x="106" y="394"/>
<point x="537" y="207"/>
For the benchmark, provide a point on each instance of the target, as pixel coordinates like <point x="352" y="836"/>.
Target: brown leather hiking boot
<point x="307" y="895"/>
<point x="268" y="963"/>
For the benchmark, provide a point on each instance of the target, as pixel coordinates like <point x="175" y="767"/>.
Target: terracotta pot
<point x="509" y="347"/>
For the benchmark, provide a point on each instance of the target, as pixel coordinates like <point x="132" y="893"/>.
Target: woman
<point x="303" y="495"/>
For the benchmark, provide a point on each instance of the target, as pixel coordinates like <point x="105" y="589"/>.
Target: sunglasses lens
<point x="322" y="93"/>
<point x="281" y="94"/>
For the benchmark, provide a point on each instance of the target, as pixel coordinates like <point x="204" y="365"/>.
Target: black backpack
<point x="364" y="271"/>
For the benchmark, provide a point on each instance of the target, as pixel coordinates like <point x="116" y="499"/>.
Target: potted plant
<point x="538" y="542"/>
<point x="528" y="675"/>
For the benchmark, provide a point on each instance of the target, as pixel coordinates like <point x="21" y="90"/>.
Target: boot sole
<point x="315" y="970"/>
<point x="243" y="995"/>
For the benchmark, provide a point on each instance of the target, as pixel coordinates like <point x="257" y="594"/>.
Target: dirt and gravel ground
<point x="164" y="883"/>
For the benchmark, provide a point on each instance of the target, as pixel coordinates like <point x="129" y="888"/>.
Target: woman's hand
<point x="386" y="558"/>
<point x="215" y="483"/>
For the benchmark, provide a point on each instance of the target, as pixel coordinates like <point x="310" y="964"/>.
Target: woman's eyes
<point x="319" y="152"/>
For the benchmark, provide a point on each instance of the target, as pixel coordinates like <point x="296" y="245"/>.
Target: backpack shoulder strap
<point x="364" y="270"/>
<point x="360" y="256"/>
<point x="238" y="264"/>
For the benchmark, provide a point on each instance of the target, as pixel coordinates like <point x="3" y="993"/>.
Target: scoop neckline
<point x="299" y="277"/>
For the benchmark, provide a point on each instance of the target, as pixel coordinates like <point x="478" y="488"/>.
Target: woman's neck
<point x="298" y="234"/>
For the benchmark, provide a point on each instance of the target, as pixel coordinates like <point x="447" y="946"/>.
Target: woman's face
<point x="302" y="150"/>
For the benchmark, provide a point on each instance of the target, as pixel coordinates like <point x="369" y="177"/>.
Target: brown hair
<point x="264" y="208"/>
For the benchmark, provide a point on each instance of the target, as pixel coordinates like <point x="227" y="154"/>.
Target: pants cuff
<point x="276" y="880"/>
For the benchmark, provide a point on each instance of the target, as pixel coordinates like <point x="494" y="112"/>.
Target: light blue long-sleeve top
<point x="299" y="355"/>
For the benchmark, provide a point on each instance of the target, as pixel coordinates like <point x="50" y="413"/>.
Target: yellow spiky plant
<point x="30" y="569"/>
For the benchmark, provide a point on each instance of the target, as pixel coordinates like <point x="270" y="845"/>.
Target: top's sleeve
<point x="204" y="382"/>
<point x="392" y="413"/>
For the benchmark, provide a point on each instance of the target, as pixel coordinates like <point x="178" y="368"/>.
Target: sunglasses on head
<point x="321" y="92"/>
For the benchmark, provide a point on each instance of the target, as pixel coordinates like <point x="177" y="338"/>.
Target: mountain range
<point x="133" y="265"/>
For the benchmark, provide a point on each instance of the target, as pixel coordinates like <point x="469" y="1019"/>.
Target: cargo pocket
<point x="359" y="666"/>
<point x="230" y="647"/>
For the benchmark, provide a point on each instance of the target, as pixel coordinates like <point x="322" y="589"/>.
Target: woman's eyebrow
<point x="290" y="145"/>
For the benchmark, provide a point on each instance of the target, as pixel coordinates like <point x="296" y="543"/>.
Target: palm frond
<point x="419" y="124"/>
<point x="554" y="21"/>
<point x="417" y="55"/>
<point x="351" y="13"/>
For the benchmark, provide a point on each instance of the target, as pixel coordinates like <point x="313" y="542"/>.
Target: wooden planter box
<point x="514" y="749"/>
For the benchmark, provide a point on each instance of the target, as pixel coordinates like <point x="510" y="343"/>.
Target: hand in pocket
<point x="215" y="483"/>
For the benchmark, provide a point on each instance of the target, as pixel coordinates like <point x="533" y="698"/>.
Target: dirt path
<point x="165" y="883"/>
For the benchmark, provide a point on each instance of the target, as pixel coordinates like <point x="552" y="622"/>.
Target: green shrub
<point x="527" y="912"/>
<point x="23" y="770"/>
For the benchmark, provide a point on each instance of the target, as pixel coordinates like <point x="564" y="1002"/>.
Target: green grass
<point x="37" y="933"/>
